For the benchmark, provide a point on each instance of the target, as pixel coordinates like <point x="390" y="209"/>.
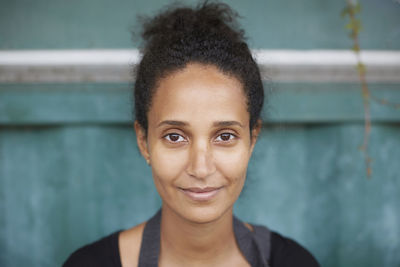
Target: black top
<point x="261" y="248"/>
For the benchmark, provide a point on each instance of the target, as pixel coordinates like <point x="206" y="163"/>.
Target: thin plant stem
<point x="355" y="27"/>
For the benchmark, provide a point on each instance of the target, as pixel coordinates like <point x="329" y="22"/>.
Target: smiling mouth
<point x="201" y="194"/>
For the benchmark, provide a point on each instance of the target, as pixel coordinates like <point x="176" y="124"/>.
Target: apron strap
<point x="255" y="245"/>
<point x="150" y="247"/>
<point x="262" y="236"/>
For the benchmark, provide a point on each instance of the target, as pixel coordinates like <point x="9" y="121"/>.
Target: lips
<point x="200" y="190"/>
<point x="201" y="194"/>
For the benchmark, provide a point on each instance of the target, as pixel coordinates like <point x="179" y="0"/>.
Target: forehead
<point x="199" y="92"/>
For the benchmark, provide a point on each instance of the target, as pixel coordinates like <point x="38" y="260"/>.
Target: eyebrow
<point x="227" y="123"/>
<point x="173" y="123"/>
<point x="215" y="124"/>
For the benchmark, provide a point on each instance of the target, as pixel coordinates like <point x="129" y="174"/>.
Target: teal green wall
<point x="276" y="24"/>
<point x="70" y="171"/>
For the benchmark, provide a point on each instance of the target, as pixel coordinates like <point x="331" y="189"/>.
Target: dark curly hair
<point x="208" y="34"/>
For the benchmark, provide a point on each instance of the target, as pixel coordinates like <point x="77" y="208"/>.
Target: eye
<point x="174" y="138"/>
<point x="225" y="137"/>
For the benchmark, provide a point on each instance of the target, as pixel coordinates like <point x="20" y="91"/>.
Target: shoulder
<point x="116" y="249"/>
<point x="130" y="242"/>
<point x="287" y="252"/>
<point x="103" y="252"/>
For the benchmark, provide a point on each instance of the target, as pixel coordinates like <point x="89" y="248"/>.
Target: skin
<point x="198" y="136"/>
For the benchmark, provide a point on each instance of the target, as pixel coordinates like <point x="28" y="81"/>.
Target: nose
<point x="201" y="162"/>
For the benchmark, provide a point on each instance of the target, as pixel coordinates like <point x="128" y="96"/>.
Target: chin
<point x="203" y="214"/>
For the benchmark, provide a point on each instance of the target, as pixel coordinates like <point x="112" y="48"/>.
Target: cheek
<point x="167" y="164"/>
<point x="233" y="163"/>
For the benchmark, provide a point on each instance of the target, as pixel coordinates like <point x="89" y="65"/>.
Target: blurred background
<point x="70" y="170"/>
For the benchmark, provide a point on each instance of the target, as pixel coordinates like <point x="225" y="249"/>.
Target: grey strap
<point x="262" y="237"/>
<point x="150" y="247"/>
<point x="256" y="245"/>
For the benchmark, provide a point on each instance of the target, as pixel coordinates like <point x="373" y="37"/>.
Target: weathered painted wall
<point x="71" y="172"/>
<point x="275" y="24"/>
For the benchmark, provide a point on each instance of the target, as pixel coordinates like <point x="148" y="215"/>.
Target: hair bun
<point x="206" y="20"/>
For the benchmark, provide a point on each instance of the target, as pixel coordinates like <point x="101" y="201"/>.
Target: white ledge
<point x="327" y="57"/>
<point x="115" y="65"/>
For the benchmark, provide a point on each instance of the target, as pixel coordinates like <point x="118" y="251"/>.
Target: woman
<point x="198" y="98"/>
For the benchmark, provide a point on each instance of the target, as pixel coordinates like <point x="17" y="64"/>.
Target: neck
<point x="184" y="241"/>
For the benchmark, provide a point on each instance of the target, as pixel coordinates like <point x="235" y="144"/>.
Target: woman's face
<point x="198" y="141"/>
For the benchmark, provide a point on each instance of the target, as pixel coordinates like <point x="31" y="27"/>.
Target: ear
<point x="254" y="134"/>
<point x="141" y="140"/>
